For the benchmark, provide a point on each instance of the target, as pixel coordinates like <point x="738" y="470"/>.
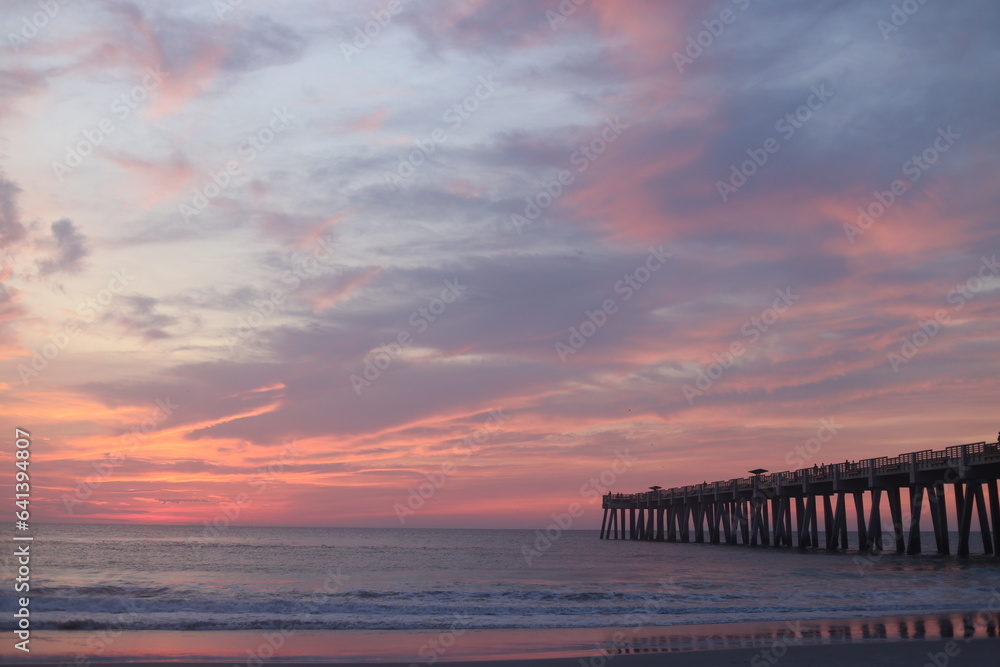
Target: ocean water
<point x="249" y="578"/>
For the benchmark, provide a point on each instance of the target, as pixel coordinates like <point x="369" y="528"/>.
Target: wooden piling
<point x="916" y="503"/>
<point x="995" y="512"/>
<point x="875" y="523"/>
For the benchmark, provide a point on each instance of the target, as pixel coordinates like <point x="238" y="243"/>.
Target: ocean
<point x="166" y="578"/>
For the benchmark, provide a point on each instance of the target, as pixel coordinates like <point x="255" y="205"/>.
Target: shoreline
<point x="914" y="636"/>
<point x="979" y="653"/>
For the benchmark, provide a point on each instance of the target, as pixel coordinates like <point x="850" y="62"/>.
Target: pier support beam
<point x="984" y="520"/>
<point x="814" y="522"/>
<point x="828" y="524"/>
<point x="765" y="535"/>
<point x="758" y="522"/>
<point x="859" y="510"/>
<point x="896" y="510"/>
<point x="801" y="524"/>
<point x="778" y="521"/>
<point x="916" y="504"/>
<point x="875" y="523"/>
<point x="959" y="508"/>
<point x="945" y="538"/>
<point x="974" y="496"/>
<point x="964" y="518"/>
<point x="939" y="516"/>
<point x="699" y="522"/>
<point x="840" y="522"/>
<point x="728" y="525"/>
<point x="760" y="528"/>
<point x="995" y="512"/>
<point x="788" y="521"/>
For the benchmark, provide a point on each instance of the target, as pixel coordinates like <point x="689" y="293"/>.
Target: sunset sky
<point x="489" y="247"/>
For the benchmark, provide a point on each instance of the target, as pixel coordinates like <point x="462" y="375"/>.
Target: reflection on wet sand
<point x="946" y="626"/>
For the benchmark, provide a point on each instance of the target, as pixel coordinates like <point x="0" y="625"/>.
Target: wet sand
<point x="978" y="653"/>
<point x="939" y="640"/>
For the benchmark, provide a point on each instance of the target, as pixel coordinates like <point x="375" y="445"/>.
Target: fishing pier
<point x="782" y="509"/>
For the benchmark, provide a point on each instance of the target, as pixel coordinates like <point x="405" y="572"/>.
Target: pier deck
<point x="782" y="509"/>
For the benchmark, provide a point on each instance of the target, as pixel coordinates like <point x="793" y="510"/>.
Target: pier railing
<point x="928" y="459"/>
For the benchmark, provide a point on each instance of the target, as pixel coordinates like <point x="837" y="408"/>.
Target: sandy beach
<point x="978" y="653"/>
<point x="935" y="639"/>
